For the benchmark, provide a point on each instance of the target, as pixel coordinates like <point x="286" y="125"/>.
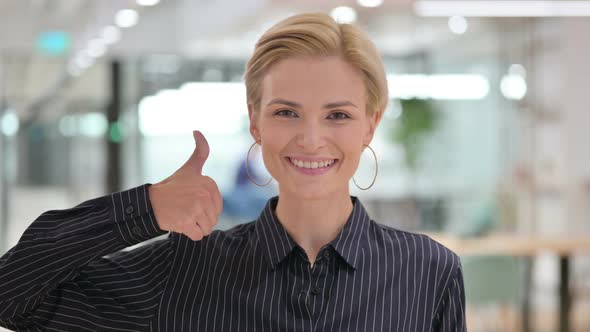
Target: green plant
<point x="417" y="121"/>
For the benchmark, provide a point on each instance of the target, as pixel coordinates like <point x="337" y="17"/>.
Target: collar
<point x="276" y="243"/>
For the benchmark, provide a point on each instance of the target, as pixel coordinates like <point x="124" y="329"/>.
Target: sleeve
<point x="68" y="271"/>
<point x="452" y="310"/>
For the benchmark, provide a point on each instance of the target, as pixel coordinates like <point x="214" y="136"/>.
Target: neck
<point x="313" y="223"/>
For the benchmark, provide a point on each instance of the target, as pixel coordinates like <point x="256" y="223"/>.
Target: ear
<point x="253" y="123"/>
<point x="373" y="120"/>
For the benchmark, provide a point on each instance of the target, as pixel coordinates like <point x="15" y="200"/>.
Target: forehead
<point x="313" y="79"/>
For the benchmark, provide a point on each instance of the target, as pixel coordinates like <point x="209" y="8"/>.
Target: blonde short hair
<point x="317" y="34"/>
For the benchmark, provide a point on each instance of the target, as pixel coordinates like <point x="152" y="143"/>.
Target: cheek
<point x="351" y="145"/>
<point x="350" y="140"/>
<point x="272" y="137"/>
<point x="352" y="162"/>
<point x="273" y="141"/>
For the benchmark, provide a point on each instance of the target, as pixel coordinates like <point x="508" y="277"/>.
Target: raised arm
<point x="59" y="273"/>
<point x="67" y="271"/>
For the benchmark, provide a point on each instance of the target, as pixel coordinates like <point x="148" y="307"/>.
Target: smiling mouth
<point x="321" y="165"/>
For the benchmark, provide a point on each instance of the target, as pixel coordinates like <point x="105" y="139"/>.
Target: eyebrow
<point x="297" y="105"/>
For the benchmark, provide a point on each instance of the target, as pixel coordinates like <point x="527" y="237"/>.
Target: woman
<point x="312" y="261"/>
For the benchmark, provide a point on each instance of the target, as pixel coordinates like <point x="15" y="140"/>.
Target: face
<point x="312" y="124"/>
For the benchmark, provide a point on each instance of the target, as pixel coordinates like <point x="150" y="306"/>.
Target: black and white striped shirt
<point x="68" y="272"/>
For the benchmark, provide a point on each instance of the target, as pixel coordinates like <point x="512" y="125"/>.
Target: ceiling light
<point x="110" y="34"/>
<point x="126" y="18"/>
<point x="370" y="3"/>
<point x="148" y="2"/>
<point x="504" y="8"/>
<point x="84" y="61"/>
<point x="93" y="124"/>
<point x="9" y="123"/>
<point x="458" y="24"/>
<point x="513" y="86"/>
<point x="344" y="14"/>
<point x="96" y="48"/>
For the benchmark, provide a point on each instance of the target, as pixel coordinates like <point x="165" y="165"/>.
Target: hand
<point x="188" y="202"/>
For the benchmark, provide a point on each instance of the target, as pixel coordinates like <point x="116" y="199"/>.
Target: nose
<point x="310" y="135"/>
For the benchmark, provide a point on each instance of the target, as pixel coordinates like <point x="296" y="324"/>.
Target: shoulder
<point x="237" y="237"/>
<point x="420" y="247"/>
<point x="238" y="232"/>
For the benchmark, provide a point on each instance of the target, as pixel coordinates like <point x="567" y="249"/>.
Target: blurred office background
<point x="484" y="144"/>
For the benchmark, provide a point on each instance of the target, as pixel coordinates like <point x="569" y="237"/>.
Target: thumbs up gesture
<point x="188" y="202"/>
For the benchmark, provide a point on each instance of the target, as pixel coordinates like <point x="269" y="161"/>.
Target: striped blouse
<point x="72" y="270"/>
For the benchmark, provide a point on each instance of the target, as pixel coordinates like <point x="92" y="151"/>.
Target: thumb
<point x="200" y="154"/>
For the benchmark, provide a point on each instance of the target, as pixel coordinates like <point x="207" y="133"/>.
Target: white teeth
<point x="312" y="164"/>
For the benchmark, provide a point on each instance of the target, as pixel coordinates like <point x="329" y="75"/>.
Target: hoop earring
<point x="376" y="170"/>
<point x="248" y="170"/>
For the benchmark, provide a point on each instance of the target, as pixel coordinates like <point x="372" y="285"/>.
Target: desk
<point x="526" y="246"/>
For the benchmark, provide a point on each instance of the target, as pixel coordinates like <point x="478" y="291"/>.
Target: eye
<point x="339" y="116"/>
<point x="286" y="113"/>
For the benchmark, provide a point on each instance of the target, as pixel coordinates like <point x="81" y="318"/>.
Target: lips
<point x="312" y="163"/>
<point x="312" y="167"/>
